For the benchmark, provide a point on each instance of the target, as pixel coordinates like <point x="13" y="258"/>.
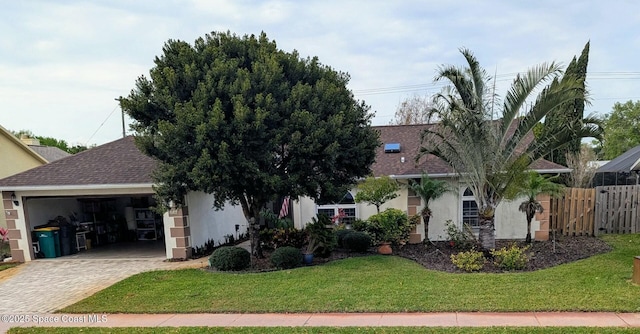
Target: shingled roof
<point x="408" y="136"/>
<point x="51" y="153"/>
<point x="117" y="162"/>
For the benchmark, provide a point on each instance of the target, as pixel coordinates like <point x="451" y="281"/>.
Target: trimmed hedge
<point x="230" y="258"/>
<point x="340" y="234"/>
<point x="286" y="257"/>
<point x="357" y="241"/>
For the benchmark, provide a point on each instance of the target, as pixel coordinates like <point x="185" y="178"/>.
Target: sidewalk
<point x="459" y="319"/>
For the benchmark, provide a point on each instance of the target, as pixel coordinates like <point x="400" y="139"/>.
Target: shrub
<point x="462" y="239"/>
<point x="286" y="257"/>
<point x="340" y="234"/>
<point x="280" y="237"/>
<point x="469" y="261"/>
<point x="324" y="237"/>
<point x="359" y="225"/>
<point x="357" y="241"/>
<point x="391" y="225"/>
<point x="512" y="258"/>
<point x="230" y="258"/>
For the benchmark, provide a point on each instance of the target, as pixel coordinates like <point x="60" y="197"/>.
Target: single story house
<point x="396" y="158"/>
<point x="107" y="193"/>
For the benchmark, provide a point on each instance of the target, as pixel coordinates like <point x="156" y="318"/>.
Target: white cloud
<point x="63" y="63"/>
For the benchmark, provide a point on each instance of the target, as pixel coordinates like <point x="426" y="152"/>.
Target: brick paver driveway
<point x="47" y="285"/>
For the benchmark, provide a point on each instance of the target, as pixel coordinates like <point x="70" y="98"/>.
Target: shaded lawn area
<point x="381" y="284"/>
<point x="318" y="330"/>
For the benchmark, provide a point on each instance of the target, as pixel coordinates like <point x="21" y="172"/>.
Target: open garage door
<point x="122" y="226"/>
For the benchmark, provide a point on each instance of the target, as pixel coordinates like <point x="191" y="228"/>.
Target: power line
<point x="100" y="127"/>
<point x="612" y="75"/>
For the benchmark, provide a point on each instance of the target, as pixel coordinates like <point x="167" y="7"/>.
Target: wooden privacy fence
<point x="617" y="209"/>
<point x="573" y="213"/>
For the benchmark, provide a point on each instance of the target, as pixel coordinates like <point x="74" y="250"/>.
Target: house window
<point x="346" y="207"/>
<point x="469" y="209"/>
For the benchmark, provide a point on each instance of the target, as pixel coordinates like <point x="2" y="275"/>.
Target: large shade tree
<point x="240" y="119"/>
<point x="490" y="153"/>
<point x="621" y="129"/>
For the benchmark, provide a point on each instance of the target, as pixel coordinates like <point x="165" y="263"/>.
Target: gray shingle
<point x="117" y="162"/>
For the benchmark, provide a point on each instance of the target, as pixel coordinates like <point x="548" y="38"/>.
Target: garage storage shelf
<point x="146" y="224"/>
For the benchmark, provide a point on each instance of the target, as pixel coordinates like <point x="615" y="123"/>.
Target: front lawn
<point x="337" y="330"/>
<point x="381" y="284"/>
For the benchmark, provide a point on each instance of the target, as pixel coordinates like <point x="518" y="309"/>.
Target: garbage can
<point x="67" y="239"/>
<point x="48" y="238"/>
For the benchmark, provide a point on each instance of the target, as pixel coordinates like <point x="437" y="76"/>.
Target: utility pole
<point x="124" y="134"/>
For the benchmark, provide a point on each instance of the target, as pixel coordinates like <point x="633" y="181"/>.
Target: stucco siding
<point x="207" y="223"/>
<point x="510" y="222"/>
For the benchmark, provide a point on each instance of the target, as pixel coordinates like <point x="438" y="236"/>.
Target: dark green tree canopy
<point x="621" y="129"/>
<point x="238" y="118"/>
<point x="571" y="114"/>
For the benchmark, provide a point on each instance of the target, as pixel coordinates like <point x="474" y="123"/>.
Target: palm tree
<point x="535" y="184"/>
<point x="489" y="153"/>
<point x="428" y="189"/>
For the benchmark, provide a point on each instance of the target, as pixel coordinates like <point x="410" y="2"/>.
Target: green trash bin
<point x="49" y="240"/>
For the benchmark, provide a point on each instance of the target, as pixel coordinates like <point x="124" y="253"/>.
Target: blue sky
<point x="63" y="63"/>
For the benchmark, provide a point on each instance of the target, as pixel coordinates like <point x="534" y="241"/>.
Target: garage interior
<point x="95" y="226"/>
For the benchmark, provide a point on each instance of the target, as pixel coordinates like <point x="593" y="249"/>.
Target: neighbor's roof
<point x="625" y="162"/>
<point x="12" y="138"/>
<point x="51" y="153"/>
<point x="408" y="136"/>
<point x="117" y="162"/>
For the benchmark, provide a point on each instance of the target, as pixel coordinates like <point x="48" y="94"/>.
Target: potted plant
<point x="391" y="226"/>
<point x="307" y="255"/>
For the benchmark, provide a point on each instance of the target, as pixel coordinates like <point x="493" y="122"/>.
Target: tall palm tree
<point x="428" y="189"/>
<point x="535" y="184"/>
<point x="489" y="143"/>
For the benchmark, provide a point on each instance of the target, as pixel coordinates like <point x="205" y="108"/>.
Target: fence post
<point x="636" y="270"/>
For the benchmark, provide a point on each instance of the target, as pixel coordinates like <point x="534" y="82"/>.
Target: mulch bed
<point x="437" y="255"/>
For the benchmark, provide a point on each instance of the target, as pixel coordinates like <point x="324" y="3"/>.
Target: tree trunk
<point x="529" y="218"/>
<point x="252" y="213"/>
<point x="486" y="235"/>
<point x="425" y="221"/>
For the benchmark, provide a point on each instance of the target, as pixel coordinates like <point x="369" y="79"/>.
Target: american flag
<point x="284" y="211"/>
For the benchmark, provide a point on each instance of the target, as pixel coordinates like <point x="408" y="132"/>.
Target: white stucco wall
<point x="41" y="210"/>
<point x="510" y="222"/>
<point x="207" y="223"/>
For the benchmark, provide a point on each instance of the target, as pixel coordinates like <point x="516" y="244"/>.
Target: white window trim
<point x="335" y="207"/>
<point x="464" y="198"/>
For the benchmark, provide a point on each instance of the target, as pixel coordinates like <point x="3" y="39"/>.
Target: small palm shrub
<point x="325" y="237"/>
<point x="469" y="261"/>
<point x="230" y="258"/>
<point x="512" y="258"/>
<point x="357" y="241"/>
<point x="286" y="257"/>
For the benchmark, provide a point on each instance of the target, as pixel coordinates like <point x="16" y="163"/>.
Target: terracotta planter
<point x="385" y="249"/>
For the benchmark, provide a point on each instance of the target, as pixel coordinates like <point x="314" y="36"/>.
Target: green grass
<point x="4" y="266"/>
<point x="381" y="284"/>
<point x="318" y="330"/>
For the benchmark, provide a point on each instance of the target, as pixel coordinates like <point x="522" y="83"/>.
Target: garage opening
<point x="95" y="226"/>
